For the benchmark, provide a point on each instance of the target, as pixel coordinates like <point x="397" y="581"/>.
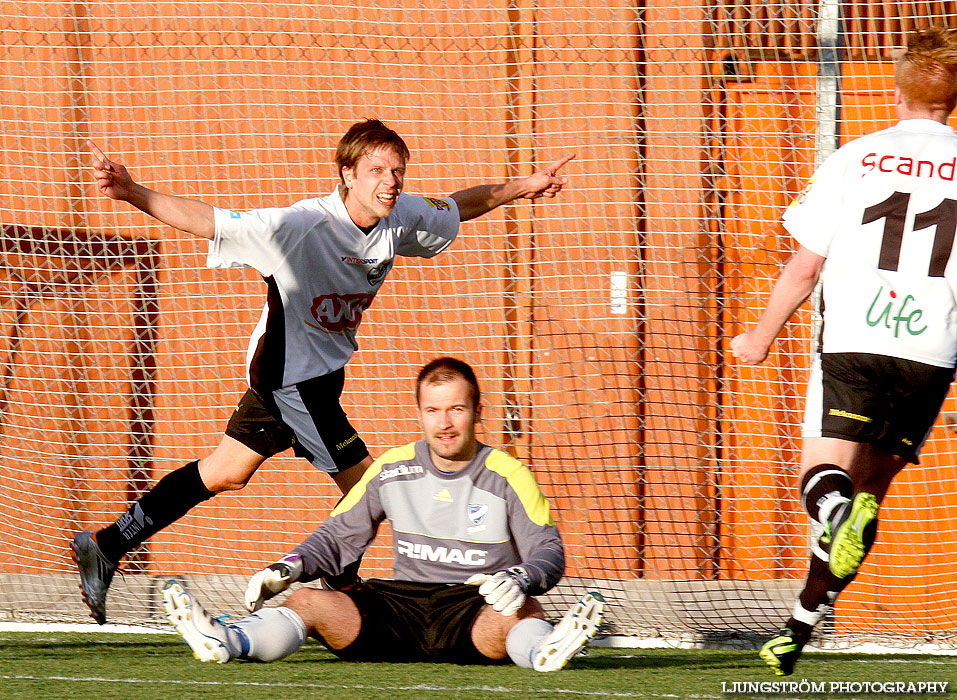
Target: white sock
<point x="830" y="507"/>
<point x="806" y="616"/>
<point x="270" y="634"/>
<point x="524" y="638"/>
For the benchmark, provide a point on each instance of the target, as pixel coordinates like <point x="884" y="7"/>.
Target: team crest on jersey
<point x="803" y="195"/>
<point x="378" y="273"/>
<point x="477" y="512"/>
<point x="439" y="204"/>
<point x="337" y="313"/>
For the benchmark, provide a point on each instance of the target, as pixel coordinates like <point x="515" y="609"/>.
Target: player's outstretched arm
<point x="115" y="182"/>
<point x="794" y="286"/>
<point x="481" y="199"/>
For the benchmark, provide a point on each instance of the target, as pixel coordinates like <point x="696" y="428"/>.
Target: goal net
<point x="598" y="322"/>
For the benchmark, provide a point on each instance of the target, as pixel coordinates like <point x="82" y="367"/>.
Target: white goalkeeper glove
<point x="272" y="580"/>
<point x="503" y="590"/>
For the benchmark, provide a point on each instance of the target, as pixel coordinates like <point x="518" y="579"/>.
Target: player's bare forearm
<point x="481" y="199"/>
<point x="189" y="215"/>
<point x="794" y="286"/>
<point x="114" y="181"/>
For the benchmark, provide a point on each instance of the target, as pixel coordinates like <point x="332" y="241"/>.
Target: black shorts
<point x="404" y="621"/>
<point x="884" y="401"/>
<point x="306" y="417"/>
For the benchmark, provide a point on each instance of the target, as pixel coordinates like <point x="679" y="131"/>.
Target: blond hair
<point x="926" y="72"/>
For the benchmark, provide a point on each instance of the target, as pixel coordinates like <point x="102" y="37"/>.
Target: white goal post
<point x="598" y="322"/>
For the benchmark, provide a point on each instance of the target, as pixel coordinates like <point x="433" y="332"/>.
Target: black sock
<point x="169" y="500"/>
<point x="821" y="484"/>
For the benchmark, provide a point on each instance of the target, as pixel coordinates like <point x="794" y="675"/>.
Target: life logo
<point x="336" y="313"/>
<point x="893" y="312"/>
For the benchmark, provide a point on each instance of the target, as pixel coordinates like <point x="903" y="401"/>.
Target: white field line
<point x="345" y="686"/>
<point x="615" y="641"/>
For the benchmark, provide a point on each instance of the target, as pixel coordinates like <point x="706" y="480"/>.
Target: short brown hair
<point x="446" y="369"/>
<point x="926" y="72"/>
<point x="365" y="137"/>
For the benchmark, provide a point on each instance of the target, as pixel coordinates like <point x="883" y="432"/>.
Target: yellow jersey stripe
<point x="520" y="478"/>
<point x="356" y="493"/>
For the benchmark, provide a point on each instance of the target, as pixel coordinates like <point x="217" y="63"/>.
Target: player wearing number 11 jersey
<point x="876" y="225"/>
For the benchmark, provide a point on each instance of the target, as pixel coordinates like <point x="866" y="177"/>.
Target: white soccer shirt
<point x="322" y="273"/>
<point x="883" y="210"/>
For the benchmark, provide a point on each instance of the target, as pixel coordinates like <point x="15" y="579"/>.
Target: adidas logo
<point x="443" y="496"/>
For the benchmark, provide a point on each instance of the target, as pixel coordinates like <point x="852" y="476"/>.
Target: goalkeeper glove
<point x="272" y="580"/>
<point x="503" y="590"/>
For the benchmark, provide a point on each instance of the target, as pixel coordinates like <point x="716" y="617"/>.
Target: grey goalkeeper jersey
<point x="445" y="526"/>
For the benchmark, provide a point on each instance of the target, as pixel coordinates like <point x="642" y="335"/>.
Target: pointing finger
<point x="558" y="164"/>
<point x="95" y="150"/>
<point x="101" y="162"/>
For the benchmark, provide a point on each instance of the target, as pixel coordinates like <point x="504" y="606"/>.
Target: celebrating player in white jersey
<point x="473" y="540"/>
<point x="323" y="261"/>
<point x="876" y="225"/>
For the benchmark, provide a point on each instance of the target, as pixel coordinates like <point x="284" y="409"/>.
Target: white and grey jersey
<point x="322" y="272"/>
<point x="445" y="526"/>
<point x="882" y="210"/>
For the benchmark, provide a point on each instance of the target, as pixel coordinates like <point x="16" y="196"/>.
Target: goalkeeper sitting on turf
<point x="473" y="540"/>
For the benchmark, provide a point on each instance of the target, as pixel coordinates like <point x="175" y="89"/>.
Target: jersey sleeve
<point x="812" y="218"/>
<point x="530" y="522"/>
<point x="344" y="537"/>
<point x="251" y="238"/>
<point x="430" y="225"/>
